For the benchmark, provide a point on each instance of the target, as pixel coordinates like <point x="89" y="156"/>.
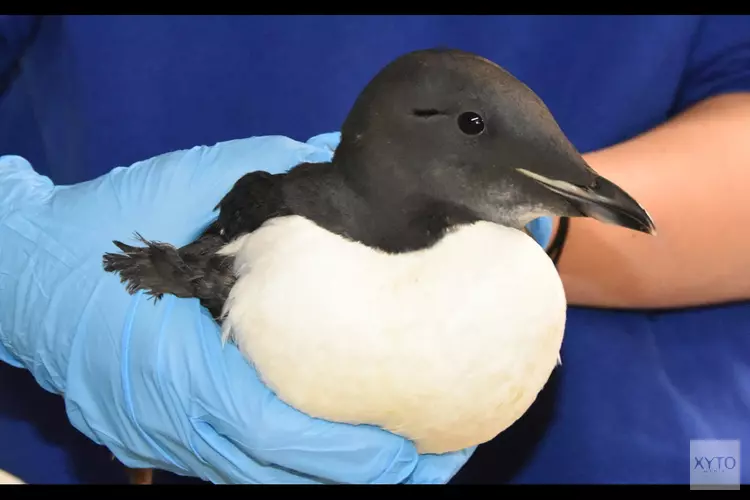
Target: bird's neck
<point x="390" y="220"/>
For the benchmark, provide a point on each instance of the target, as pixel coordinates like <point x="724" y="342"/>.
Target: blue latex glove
<point x="152" y="382"/>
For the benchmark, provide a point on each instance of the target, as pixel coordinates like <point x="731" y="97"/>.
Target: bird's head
<point x="453" y="127"/>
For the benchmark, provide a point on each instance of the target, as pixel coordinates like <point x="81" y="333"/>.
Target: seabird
<point x="394" y="285"/>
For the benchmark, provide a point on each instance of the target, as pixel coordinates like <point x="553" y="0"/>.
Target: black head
<point x="446" y="126"/>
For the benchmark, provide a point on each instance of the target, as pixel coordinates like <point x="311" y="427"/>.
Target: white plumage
<point x="446" y="346"/>
<point x="8" y="478"/>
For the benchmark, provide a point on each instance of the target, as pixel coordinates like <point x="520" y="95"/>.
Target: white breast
<point x="8" y="478"/>
<point x="448" y="346"/>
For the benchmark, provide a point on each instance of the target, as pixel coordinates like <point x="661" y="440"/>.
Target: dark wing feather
<point x="195" y="270"/>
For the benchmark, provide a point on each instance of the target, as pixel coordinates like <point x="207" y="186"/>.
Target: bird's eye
<point x="470" y="123"/>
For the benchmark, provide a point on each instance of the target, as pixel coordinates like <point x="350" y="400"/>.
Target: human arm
<point x="690" y="173"/>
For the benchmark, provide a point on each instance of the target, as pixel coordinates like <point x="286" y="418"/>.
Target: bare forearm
<point x="692" y="174"/>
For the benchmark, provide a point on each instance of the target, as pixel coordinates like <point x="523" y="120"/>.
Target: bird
<point x="395" y="285"/>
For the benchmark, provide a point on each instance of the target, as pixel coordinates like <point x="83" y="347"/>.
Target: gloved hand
<point x="152" y="382"/>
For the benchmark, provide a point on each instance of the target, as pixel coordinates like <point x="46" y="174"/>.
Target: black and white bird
<point x="395" y="285"/>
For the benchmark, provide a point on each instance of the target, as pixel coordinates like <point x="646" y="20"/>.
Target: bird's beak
<point x="601" y="200"/>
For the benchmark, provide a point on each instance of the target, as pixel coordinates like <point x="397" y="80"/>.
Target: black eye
<point x="470" y="123"/>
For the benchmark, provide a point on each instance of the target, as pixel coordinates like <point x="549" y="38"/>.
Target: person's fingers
<point x="329" y="141"/>
<point x="241" y="423"/>
<point x="217" y="168"/>
<point x="439" y="469"/>
<point x="541" y="230"/>
<point x="185" y="186"/>
<point x="314" y="457"/>
<point x="172" y="197"/>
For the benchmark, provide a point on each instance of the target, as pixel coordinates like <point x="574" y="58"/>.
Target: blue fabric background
<point x="81" y="95"/>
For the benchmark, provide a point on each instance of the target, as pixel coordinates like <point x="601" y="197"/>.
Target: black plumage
<point x="196" y="270"/>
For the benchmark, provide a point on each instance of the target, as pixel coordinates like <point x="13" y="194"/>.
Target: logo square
<point x="714" y="464"/>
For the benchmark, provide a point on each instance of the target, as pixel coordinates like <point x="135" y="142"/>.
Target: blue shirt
<point x="84" y="94"/>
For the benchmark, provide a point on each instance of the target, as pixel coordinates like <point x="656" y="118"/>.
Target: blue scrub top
<point x="84" y="94"/>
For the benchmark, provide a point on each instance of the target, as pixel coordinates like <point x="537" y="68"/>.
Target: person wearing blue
<point x="110" y="124"/>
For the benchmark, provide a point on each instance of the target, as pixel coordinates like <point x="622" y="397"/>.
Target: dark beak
<point x="601" y="200"/>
